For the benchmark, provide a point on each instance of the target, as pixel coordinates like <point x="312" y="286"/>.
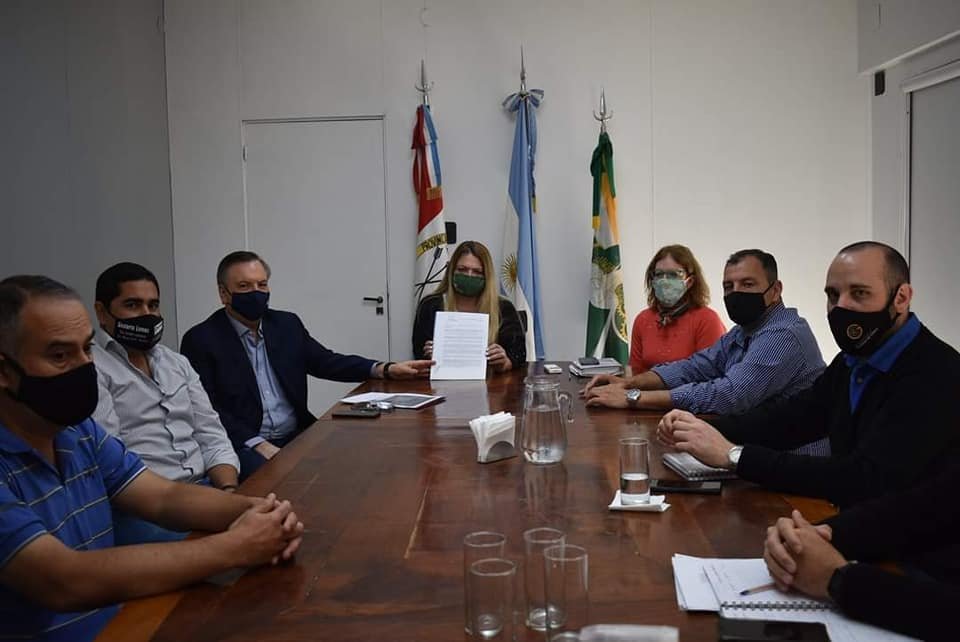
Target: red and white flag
<point x="432" y="254"/>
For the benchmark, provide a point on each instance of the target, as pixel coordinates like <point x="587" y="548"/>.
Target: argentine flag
<point x="520" y="278"/>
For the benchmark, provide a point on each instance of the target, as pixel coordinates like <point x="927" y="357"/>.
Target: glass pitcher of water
<point x="543" y="433"/>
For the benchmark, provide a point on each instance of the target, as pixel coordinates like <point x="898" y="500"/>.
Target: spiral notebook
<point x="728" y="577"/>
<point x="691" y="468"/>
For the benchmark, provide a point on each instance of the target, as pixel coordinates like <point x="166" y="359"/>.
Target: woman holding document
<point x="469" y="285"/>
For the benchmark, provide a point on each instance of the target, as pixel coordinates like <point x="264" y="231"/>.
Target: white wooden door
<point x="935" y="208"/>
<point x="315" y="211"/>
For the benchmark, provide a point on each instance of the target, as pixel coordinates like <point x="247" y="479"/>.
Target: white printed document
<point x="460" y="346"/>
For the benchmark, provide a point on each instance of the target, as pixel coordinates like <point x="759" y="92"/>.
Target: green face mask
<point x="468" y="284"/>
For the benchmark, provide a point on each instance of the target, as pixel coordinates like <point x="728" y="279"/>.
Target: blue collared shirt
<point x="863" y="371"/>
<point x="279" y="417"/>
<point x="70" y="502"/>
<point x="774" y="359"/>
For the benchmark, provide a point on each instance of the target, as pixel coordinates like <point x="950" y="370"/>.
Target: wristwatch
<point x="733" y="457"/>
<point x="633" y="397"/>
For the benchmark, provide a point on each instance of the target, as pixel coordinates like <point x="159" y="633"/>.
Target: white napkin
<point x="494" y="435"/>
<point x="656" y="505"/>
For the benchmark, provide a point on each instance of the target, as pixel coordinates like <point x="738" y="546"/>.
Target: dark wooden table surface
<point x="386" y="503"/>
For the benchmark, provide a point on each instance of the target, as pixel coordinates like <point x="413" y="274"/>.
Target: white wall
<point x="84" y="178"/>
<point x="891" y="30"/>
<point x="737" y="124"/>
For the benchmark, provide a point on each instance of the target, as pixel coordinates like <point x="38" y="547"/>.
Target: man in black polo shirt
<point x="888" y="402"/>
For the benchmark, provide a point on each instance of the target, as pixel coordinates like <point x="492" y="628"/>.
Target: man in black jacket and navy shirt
<point x="889" y="403"/>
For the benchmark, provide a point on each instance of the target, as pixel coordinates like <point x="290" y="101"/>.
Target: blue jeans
<point x="251" y="460"/>
<point x="129" y="529"/>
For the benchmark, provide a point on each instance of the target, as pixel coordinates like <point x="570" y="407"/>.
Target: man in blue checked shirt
<point x="61" y="576"/>
<point x="770" y="354"/>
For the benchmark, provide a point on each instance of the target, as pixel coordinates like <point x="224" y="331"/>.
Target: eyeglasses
<point x="469" y="271"/>
<point x="669" y="274"/>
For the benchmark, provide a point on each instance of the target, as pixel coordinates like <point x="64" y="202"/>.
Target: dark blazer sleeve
<point x="510" y="336"/>
<point x="199" y="351"/>
<point x="423" y="323"/>
<point x="882" y="460"/>
<point x="929" y="521"/>
<point x="324" y="363"/>
<point x="919" y="608"/>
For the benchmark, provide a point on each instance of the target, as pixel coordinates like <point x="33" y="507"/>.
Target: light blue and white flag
<point x="520" y="277"/>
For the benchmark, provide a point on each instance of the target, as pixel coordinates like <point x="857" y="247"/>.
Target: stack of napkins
<point x="656" y="504"/>
<point x="606" y="365"/>
<point x="494" y="435"/>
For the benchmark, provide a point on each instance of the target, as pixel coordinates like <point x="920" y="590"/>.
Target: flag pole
<point x="424" y="87"/>
<point x="604" y="115"/>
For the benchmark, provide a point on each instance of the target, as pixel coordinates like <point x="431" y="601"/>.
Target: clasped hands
<point x="800" y="556"/>
<point x="687" y="433"/>
<point x="269" y="532"/>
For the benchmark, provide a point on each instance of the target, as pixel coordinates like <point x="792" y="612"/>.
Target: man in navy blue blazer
<point x="253" y="362"/>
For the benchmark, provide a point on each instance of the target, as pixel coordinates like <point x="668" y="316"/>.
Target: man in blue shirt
<point x="887" y="402"/>
<point x="60" y="474"/>
<point x="771" y="353"/>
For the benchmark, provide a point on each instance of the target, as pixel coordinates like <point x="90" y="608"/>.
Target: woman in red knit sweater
<point x="677" y="322"/>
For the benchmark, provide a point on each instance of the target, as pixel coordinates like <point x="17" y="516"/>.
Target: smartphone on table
<point x="700" y="487"/>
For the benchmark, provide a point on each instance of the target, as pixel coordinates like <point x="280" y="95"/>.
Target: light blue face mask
<point x="669" y="290"/>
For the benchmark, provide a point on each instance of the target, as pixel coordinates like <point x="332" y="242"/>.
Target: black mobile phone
<point x="685" y="486"/>
<point x="588" y="361"/>
<point x="730" y="630"/>
<point x="355" y="411"/>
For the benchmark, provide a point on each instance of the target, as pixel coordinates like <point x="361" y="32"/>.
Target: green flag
<point x="606" y="312"/>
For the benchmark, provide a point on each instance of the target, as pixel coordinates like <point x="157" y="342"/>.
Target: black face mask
<point x="250" y="305"/>
<point x="860" y="333"/>
<point x="745" y="308"/>
<point x="65" y="399"/>
<point x="138" y="333"/>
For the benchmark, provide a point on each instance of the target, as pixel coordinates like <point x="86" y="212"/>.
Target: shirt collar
<point x="886" y="355"/>
<point x="12" y="443"/>
<point x="241" y="329"/>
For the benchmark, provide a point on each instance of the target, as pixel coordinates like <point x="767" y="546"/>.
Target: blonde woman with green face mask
<point x="470" y="285"/>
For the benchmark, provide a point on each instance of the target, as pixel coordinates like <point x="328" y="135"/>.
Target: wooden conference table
<point x="386" y="503"/>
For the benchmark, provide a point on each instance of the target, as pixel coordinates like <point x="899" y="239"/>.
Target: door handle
<point x="374" y="299"/>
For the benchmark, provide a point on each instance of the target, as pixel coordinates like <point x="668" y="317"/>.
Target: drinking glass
<point x="536" y="608"/>
<point x="477" y="546"/>
<point x="567" y="590"/>
<point x="634" y="471"/>
<point x="490" y="606"/>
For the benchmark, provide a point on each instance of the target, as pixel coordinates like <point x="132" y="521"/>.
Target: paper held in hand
<point x="460" y="346"/>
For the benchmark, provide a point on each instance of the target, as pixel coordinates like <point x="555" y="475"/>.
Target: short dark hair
<point x="236" y="258"/>
<point x="108" y="283"/>
<point x="766" y="259"/>
<point x="896" y="271"/>
<point x="15" y="292"/>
